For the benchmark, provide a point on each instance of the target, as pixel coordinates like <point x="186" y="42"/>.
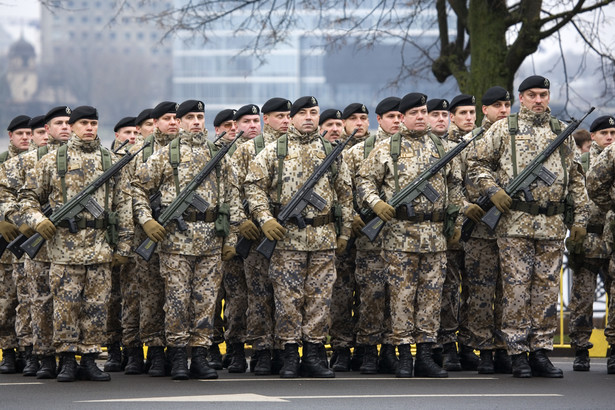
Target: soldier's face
<point x="167" y="124"/>
<point x="535" y="99"/>
<point x="306" y="119"/>
<point x="40" y="136"/>
<point x="193" y="122"/>
<point x="464" y="117"/>
<point x="604" y="137"/>
<point x="439" y="120"/>
<point x="231" y="130"/>
<point x="390" y="121"/>
<point x="497" y="110"/>
<point x="146" y="127"/>
<point x="250" y="125"/>
<point x="20" y="138"/>
<point x="415" y="119"/>
<point x="127" y="133"/>
<point x="334" y="129"/>
<point x="359" y="122"/>
<point x="85" y="129"/>
<point x="58" y="128"/>
<point x="279" y="120"/>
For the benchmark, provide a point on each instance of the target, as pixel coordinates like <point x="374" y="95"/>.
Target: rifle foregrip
<point x="33" y="245"/>
<point x="146" y="249"/>
<point x="243" y="247"/>
<point x="266" y="248"/>
<point x="372" y="228"/>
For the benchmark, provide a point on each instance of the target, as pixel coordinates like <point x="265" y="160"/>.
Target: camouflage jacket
<point x="220" y="187"/>
<point x="490" y="167"/>
<point x="601" y="190"/>
<point x="376" y="175"/>
<point x="305" y="153"/>
<point x="84" y="164"/>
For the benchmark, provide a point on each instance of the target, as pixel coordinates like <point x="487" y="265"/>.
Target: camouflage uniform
<point x="80" y="272"/>
<point x="302" y="268"/>
<point x="190" y="260"/>
<point x="531" y="246"/>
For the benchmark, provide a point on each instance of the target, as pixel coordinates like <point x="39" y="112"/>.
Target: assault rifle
<point x="532" y="172"/>
<point x="305" y="196"/>
<point x="186" y="198"/>
<point x="82" y="201"/>
<point x="420" y="186"/>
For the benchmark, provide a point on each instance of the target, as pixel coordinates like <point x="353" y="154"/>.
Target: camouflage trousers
<point x="609" y="332"/>
<point x="343" y="300"/>
<point x="41" y="306"/>
<point x="259" y="317"/>
<point x="415" y="281"/>
<point x="235" y="300"/>
<point x="8" y="303"/>
<point x="374" y="319"/>
<point x="218" y="319"/>
<point x="131" y="307"/>
<point x="530" y="273"/>
<point x="582" y="297"/>
<point x="192" y="284"/>
<point x="481" y="317"/>
<point x="23" y="320"/>
<point x="151" y="301"/>
<point x="81" y="295"/>
<point x="114" y="314"/>
<point x="302" y="286"/>
<point x="451" y="304"/>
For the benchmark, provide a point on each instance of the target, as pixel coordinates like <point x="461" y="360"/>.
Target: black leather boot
<point x="277" y="361"/>
<point x="370" y="360"/>
<point x="467" y="358"/>
<point x="199" y="366"/>
<point x="311" y="363"/>
<point x="134" y="362"/>
<point x="226" y="359"/>
<point x="262" y="363"/>
<point x="436" y="353"/>
<point x="542" y="366"/>
<point x="48" y="368"/>
<point x="114" y="358"/>
<point x="290" y="368"/>
<point x="32" y="364"/>
<point x="68" y="371"/>
<point x="88" y="370"/>
<point x="215" y="357"/>
<point x="322" y="353"/>
<point x="156" y="361"/>
<point x="486" y="362"/>
<point x="424" y="365"/>
<point x="238" y="364"/>
<point x="387" y="362"/>
<point x="450" y="359"/>
<point x="610" y="364"/>
<point x="502" y="362"/>
<point x="405" y="365"/>
<point x="8" y="361"/>
<point x="520" y="366"/>
<point x="581" y="360"/>
<point x="179" y="363"/>
<point x="340" y="362"/>
<point x="357" y="358"/>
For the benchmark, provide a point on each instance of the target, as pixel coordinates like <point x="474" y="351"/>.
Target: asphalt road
<point x="463" y="390"/>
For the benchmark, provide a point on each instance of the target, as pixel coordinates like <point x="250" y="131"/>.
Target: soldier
<point x="145" y="122"/>
<point x="39" y="133"/>
<point x="80" y="272"/>
<point x="223" y="122"/>
<point x="302" y="268"/>
<point x="413" y="246"/>
<point x="331" y="121"/>
<point x="530" y="236"/>
<point x="438" y="116"/>
<point x="583" y="140"/>
<point x="592" y="259"/>
<point x="125" y="129"/>
<point x="190" y="260"/>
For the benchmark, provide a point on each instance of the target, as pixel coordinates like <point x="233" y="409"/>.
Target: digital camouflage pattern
<point x="23" y="320"/>
<point x="41" y="306"/>
<point x="235" y="301"/>
<point x="260" y="314"/>
<point x="8" y="303"/>
<point x="344" y="301"/>
<point x="130" y="311"/>
<point x="374" y="321"/>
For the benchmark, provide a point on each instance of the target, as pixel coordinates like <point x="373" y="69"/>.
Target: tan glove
<point x="46" y="228"/>
<point x="228" y="252"/>
<point x="474" y="212"/>
<point x="249" y="230"/>
<point x="502" y="201"/>
<point x="273" y="230"/>
<point x="384" y="211"/>
<point x="8" y="231"/>
<point x="154" y="230"/>
<point x="26" y="230"/>
<point x="454" y="240"/>
<point x="341" y="246"/>
<point x="119" y="260"/>
<point x="577" y="234"/>
<point x="357" y="225"/>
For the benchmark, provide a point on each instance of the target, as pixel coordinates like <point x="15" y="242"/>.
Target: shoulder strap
<point x="61" y="165"/>
<point x="585" y="161"/>
<point x="395" y="151"/>
<point x="439" y="146"/>
<point x="105" y="156"/>
<point x="513" y="129"/>
<point x="149" y="150"/>
<point x="368" y="146"/>
<point x="259" y="143"/>
<point x="281" y="151"/>
<point x="513" y="124"/>
<point x="328" y="148"/>
<point x="556" y="127"/>
<point x="174" y="159"/>
<point x="4" y="156"/>
<point x="41" y="152"/>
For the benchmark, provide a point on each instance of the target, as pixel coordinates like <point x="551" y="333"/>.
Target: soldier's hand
<point x="228" y="252"/>
<point x="502" y="201"/>
<point x="357" y="225"/>
<point x="154" y="230"/>
<point x="8" y="231"/>
<point x="46" y="228"/>
<point x="474" y="212"/>
<point x="454" y="240"/>
<point x="384" y="211"/>
<point x="577" y="234"/>
<point x="119" y="260"/>
<point x="26" y="230"/>
<point x="273" y="230"/>
<point x="249" y="230"/>
<point x="341" y="246"/>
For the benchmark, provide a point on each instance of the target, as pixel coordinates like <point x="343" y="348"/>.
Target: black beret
<point x="224" y="116"/>
<point x="61" y="111"/>
<point x="250" y="109"/>
<point x="602" y="123"/>
<point x="276" y="104"/>
<point x="143" y="116"/>
<point x="83" y="112"/>
<point x="354" y="108"/>
<point x="189" y="106"/>
<point x="412" y="100"/>
<point x="21" y="121"/>
<point x="303" y="102"/>
<point x="534" y="81"/>
<point x="125" y="122"/>
<point x="165" y="107"/>
<point x="329" y="114"/>
<point x="462" y="100"/>
<point x="437" y="104"/>
<point x="495" y="94"/>
<point x="37" y="122"/>
<point x="388" y="104"/>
